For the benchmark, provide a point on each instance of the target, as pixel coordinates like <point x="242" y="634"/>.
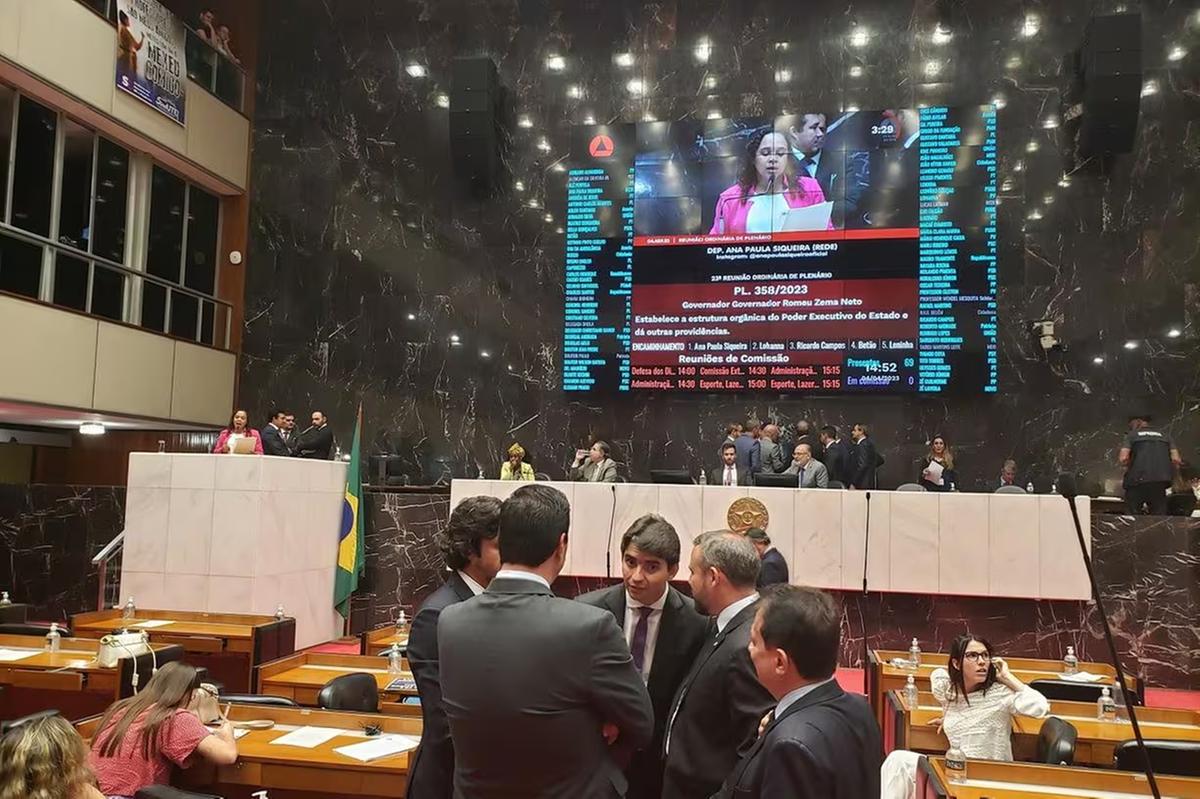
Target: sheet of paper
<point x="934" y="471"/>
<point x="152" y="623"/>
<point x="381" y="747"/>
<point x="308" y="737"/>
<point x="11" y="655"/>
<point x="1082" y="676"/>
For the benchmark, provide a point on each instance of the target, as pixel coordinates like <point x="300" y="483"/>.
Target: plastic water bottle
<point x="914" y="654"/>
<point x="1106" y="708"/>
<point x="1029" y="487"/>
<point x="395" y="664"/>
<point x="956" y="765"/>
<point x="53" y="639"/>
<point x="402" y="626"/>
<point x="1119" y="702"/>
<point x="703" y="477"/>
<point x="279" y="614"/>
<point x="911" y="696"/>
<point x="1054" y="488"/>
<point x="130" y="609"/>
<point x="4" y="600"/>
<point x="1070" y="662"/>
<point x="952" y="488"/>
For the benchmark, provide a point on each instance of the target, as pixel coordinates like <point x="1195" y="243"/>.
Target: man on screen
<point x="843" y="177"/>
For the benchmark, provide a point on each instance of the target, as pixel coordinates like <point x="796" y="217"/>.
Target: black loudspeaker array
<point x="477" y="130"/>
<point x="1102" y="92"/>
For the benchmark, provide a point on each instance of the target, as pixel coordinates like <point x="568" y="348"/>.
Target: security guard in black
<point x="1150" y="460"/>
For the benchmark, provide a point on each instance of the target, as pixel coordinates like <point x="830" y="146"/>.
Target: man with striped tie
<point x="662" y="628"/>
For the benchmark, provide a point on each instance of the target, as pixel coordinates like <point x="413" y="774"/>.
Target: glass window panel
<point x="154" y="306"/>
<point x="108" y="293"/>
<point x="70" y="281"/>
<point x="165" y="246"/>
<point x="206" y="322"/>
<point x="183" y="315"/>
<point x="33" y="167"/>
<point x="203" y="212"/>
<point x="75" y="200"/>
<point x="112" y="188"/>
<point x="7" y="101"/>
<point x="20" y="267"/>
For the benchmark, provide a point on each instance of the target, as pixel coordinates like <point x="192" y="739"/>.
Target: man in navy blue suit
<point x="469" y="546"/>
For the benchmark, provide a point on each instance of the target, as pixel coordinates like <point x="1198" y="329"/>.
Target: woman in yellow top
<point x="515" y="468"/>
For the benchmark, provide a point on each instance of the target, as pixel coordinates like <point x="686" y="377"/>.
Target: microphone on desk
<point x="1069" y="490"/>
<point x="866" y="650"/>
<point x="612" y="519"/>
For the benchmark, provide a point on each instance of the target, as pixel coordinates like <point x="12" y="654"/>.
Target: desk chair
<point x="836" y="484"/>
<point x="357" y="692"/>
<point x="257" y="699"/>
<point x="167" y="792"/>
<point x="1180" y="758"/>
<point x="1056" y="742"/>
<point x="1010" y="490"/>
<point x="910" y="487"/>
<point x="29" y="628"/>
<point x="6" y="726"/>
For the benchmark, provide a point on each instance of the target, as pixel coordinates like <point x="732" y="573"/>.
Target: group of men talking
<point x="817" y="459"/>
<point x="635" y="690"/>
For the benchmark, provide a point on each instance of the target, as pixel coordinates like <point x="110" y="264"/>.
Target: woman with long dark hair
<point x="140" y="738"/>
<point x="937" y="470"/>
<point x="767" y="188"/>
<point x="979" y="696"/>
<point x="239" y="428"/>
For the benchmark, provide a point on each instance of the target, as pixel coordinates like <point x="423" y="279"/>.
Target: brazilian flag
<point x="350" y="537"/>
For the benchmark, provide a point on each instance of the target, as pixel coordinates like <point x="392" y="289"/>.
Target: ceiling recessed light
<point x="559" y="230"/>
<point x="91" y="429"/>
<point x="1131" y="345"/>
<point x="623" y="60"/>
<point x="781" y="46"/>
<point x="1097" y="360"/>
<point x="533" y="203"/>
<point x="1013" y="62"/>
<point x="942" y="34"/>
<point x="1174" y="333"/>
<point x="856" y="71"/>
<point x="484" y="354"/>
<point x="999" y="101"/>
<point x="454" y="339"/>
<point x="1032" y="147"/>
<point x="524" y="121"/>
<point x="556" y="63"/>
<point x="412" y="317"/>
<point x="1031" y="26"/>
<point x="416" y="70"/>
<point x="442" y="100"/>
<point x="932" y="68"/>
<point x="710" y="82"/>
<point x="519" y="185"/>
<point x="714" y="114"/>
<point x="859" y="36"/>
<point x="1035" y="215"/>
<point x="783" y="75"/>
<point x="1149" y="87"/>
<point x="1176" y="53"/>
<point x="635" y="87"/>
<point x="548" y="218"/>
<point x="1049" y="123"/>
<point x="590" y="119"/>
<point x="544" y="144"/>
<point x="703" y="50"/>
<point x="574" y="91"/>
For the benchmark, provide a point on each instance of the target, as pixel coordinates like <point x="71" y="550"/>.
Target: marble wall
<point x="365" y="260"/>
<point x="1152" y="598"/>
<point x="48" y="536"/>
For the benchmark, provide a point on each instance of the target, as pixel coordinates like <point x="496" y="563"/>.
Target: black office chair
<point x="12" y="724"/>
<point x="836" y="484"/>
<point x="910" y="487"/>
<point x="1180" y="758"/>
<point x="540" y="476"/>
<point x="1067" y="691"/>
<point x="257" y="699"/>
<point x="356" y="691"/>
<point x="167" y="792"/>
<point x="29" y="628"/>
<point x="1056" y="742"/>
<point x="1010" y="490"/>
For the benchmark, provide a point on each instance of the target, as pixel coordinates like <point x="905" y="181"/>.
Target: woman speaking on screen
<point x="766" y="190"/>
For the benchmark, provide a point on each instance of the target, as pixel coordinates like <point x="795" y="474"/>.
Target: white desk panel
<point x="963" y="540"/>
<point x="781" y="520"/>
<point x="854" y="538"/>
<point x="914" y="545"/>
<point x="680" y="505"/>
<point x="1014" y="552"/>
<point x="715" y="502"/>
<point x="1063" y="575"/>
<point x="818" y="538"/>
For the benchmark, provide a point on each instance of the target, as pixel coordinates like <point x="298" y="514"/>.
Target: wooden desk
<point x="301" y="676"/>
<point x="905" y="728"/>
<point x="70" y="680"/>
<point x="991" y="780"/>
<point x="229" y="645"/>
<point x="883" y="677"/>
<point x="372" y="642"/>
<point x="298" y="773"/>
<point x="14" y="613"/>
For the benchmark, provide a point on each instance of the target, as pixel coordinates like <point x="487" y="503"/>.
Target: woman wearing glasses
<point x="979" y="696"/>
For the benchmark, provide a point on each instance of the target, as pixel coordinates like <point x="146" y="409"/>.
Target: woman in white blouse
<point x="979" y="696"/>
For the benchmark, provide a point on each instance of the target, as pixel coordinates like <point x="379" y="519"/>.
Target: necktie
<point x="801" y="483"/>
<point x="638" y="647"/>
<point x="728" y="475"/>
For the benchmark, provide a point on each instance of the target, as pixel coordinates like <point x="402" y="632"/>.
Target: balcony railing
<point x="206" y="65"/>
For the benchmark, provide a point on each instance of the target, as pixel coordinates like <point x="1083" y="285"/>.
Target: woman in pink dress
<point x="239" y="427"/>
<point x="767" y="187"/>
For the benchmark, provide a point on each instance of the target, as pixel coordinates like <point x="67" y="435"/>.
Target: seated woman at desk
<point x="238" y="429"/>
<point x="46" y="757"/>
<point x="937" y="467"/>
<point x="979" y="696"/>
<point x="140" y="738"/>
<point x="515" y="467"/>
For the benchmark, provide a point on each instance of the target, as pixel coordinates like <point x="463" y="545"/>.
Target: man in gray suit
<point x="773" y="461"/>
<point x="536" y="688"/>
<point x="594" y="466"/>
<point x="812" y="472"/>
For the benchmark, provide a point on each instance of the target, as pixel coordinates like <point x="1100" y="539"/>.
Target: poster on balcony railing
<point x="150" y="56"/>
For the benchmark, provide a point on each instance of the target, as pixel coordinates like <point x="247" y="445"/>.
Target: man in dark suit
<point x="272" y="435"/>
<point x="837" y="456"/>
<point x="773" y="568"/>
<point x="820" y="743"/>
<point x="718" y="707"/>
<point x="844" y="176"/>
<point x="730" y="472"/>
<point x="536" y="688"/>
<point x="749" y="449"/>
<point x="470" y="549"/>
<point x="317" y="441"/>
<point x="806" y="435"/>
<point x="866" y="459"/>
<point x="662" y="628"/>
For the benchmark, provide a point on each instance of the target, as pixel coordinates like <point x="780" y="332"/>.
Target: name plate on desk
<point x="1000" y="545"/>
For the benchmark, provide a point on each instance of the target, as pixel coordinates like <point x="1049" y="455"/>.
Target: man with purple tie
<point x="662" y="628"/>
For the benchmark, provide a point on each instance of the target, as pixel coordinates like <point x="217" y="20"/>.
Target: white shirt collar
<point x="272" y="424"/>
<point x="792" y="697"/>
<point x="726" y="615"/>
<point x="475" y="587"/>
<point x="658" y="604"/>
<point x="516" y="574"/>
